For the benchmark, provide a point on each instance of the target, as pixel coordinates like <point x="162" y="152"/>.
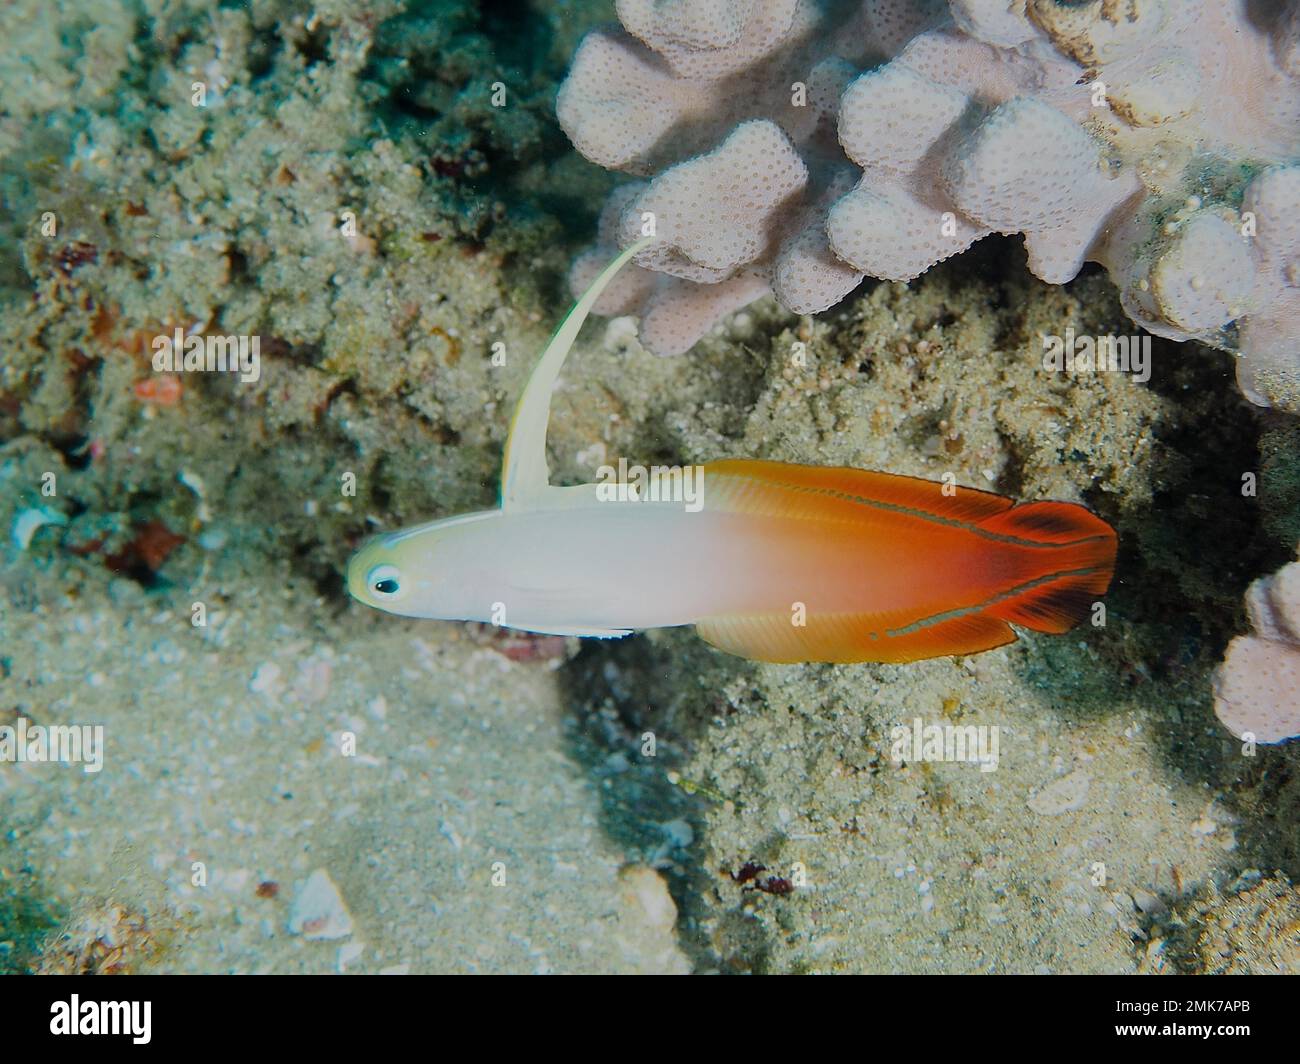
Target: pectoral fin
<point x="525" y="477"/>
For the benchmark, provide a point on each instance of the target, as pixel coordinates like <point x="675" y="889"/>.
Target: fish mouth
<point x="353" y="579"/>
<point x="358" y="566"/>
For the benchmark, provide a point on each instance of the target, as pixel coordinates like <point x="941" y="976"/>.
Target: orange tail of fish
<point x="899" y="569"/>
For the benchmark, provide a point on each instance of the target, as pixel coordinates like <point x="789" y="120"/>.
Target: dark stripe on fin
<point x="1056" y="606"/>
<point x="1049" y="522"/>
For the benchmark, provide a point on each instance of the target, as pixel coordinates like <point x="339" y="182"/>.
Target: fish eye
<point x="384" y="580"/>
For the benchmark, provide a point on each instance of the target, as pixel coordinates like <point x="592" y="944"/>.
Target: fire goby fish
<point x="776" y="562"/>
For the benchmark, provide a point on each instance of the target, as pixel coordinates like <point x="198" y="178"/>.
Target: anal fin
<point x="845" y="638"/>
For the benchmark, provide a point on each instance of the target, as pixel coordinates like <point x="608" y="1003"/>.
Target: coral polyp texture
<point x="1257" y="688"/>
<point x="797" y="147"/>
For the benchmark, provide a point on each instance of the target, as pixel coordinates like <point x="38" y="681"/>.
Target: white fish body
<point x="771" y="561"/>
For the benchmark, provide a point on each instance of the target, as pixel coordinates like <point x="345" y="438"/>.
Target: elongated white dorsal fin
<point x="524" y="474"/>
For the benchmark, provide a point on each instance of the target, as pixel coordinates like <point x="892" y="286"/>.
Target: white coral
<point x="1257" y="688"/>
<point x="1160" y="138"/>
